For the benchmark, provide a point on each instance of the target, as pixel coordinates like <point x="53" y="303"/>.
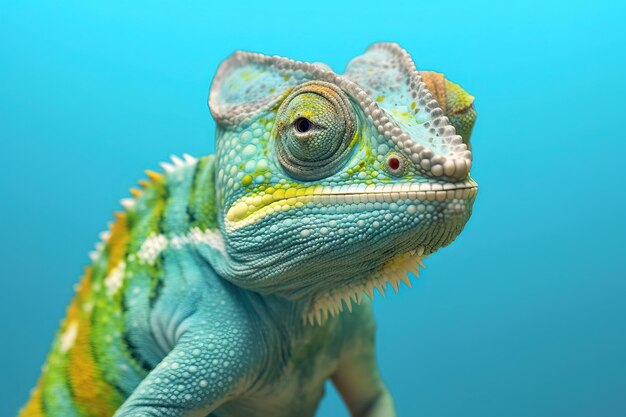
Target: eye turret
<point x="315" y="127"/>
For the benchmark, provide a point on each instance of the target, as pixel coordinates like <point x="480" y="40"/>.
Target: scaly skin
<point x="220" y="289"/>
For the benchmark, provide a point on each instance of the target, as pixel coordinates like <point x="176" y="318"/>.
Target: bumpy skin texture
<point x="220" y="289"/>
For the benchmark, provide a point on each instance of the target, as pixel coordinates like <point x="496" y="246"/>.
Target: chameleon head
<point x="330" y="185"/>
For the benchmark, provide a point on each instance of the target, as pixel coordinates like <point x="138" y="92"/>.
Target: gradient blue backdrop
<point x="523" y="316"/>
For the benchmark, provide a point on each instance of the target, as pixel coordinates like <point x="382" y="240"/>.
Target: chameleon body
<point x="223" y="286"/>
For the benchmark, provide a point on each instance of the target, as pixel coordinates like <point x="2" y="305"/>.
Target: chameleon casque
<point x="222" y="287"/>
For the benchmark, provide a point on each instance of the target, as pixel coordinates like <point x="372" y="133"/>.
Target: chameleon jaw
<point x="393" y="272"/>
<point x="250" y="209"/>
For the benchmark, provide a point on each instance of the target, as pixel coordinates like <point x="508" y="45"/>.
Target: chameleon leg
<point x="204" y="370"/>
<point x="357" y="378"/>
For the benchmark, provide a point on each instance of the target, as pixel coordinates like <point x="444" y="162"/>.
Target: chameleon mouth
<point x="250" y="209"/>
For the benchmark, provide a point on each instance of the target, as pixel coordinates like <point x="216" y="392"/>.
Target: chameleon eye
<point x="315" y="127"/>
<point x="302" y="125"/>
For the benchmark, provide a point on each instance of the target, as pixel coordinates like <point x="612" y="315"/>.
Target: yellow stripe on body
<point x="34" y="406"/>
<point x="118" y="240"/>
<point x="92" y="395"/>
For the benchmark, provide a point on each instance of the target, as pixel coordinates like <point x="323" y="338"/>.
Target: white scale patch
<point x="69" y="336"/>
<point x="151" y="248"/>
<point x="115" y="279"/>
<point x="155" y="244"/>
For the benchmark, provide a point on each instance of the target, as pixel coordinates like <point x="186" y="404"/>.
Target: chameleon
<point x="238" y="283"/>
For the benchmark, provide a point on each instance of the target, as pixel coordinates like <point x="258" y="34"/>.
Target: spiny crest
<point x="168" y="168"/>
<point x="178" y="163"/>
<point x="104" y="236"/>
<point x="393" y="272"/>
<point x="129" y="202"/>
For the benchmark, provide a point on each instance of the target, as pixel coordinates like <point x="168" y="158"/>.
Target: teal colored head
<point x="330" y="185"/>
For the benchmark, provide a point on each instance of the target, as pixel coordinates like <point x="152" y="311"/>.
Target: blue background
<point x="524" y="315"/>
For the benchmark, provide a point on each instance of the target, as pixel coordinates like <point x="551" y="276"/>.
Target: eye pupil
<point x="303" y="125"/>
<point x="394" y="163"/>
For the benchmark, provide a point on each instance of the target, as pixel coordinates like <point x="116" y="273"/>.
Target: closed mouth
<point x="250" y="209"/>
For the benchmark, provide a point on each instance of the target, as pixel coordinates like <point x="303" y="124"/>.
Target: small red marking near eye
<point x="394" y="163"/>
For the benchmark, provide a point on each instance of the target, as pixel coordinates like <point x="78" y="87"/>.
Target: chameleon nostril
<point x="394" y="163"/>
